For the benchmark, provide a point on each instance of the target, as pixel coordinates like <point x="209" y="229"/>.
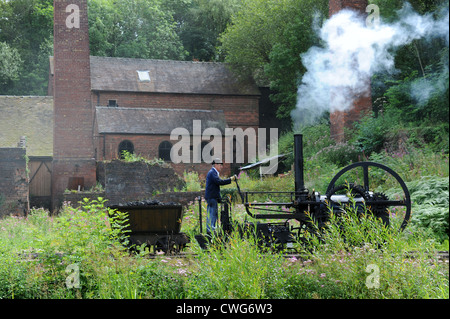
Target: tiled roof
<point x="123" y="120"/>
<point x="30" y="116"/>
<point x="167" y="76"/>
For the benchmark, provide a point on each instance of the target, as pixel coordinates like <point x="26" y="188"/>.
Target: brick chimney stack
<point x="74" y="164"/>
<point x="362" y="103"/>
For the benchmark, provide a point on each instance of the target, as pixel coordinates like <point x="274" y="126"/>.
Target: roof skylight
<point x="144" y="76"/>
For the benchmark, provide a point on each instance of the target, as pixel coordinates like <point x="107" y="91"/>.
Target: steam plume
<point x="352" y="53"/>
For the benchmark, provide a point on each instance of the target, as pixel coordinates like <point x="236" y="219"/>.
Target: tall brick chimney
<point x="362" y="103"/>
<point x="73" y="150"/>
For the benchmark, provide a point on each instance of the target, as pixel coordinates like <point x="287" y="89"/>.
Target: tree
<point x="134" y="29"/>
<point x="10" y="64"/>
<point x="27" y="28"/>
<point x="265" y="40"/>
<point x="201" y="24"/>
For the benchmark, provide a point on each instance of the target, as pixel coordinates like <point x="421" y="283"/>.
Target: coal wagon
<point x="155" y="224"/>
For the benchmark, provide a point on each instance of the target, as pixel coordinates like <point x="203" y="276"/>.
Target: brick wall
<point x="335" y="6"/>
<point x="183" y="198"/>
<point x="240" y="111"/>
<point x="148" y="146"/>
<point x="13" y="182"/>
<point x="363" y="102"/>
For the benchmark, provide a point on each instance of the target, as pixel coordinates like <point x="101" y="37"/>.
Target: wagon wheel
<point x="169" y="245"/>
<point x="161" y="245"/>
<point x="378" y="200"/>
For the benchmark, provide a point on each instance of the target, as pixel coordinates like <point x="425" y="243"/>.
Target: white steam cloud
<point x="352" y="52"/>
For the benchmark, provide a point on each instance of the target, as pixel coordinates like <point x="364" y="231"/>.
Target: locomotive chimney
<point x="298" y="163"/>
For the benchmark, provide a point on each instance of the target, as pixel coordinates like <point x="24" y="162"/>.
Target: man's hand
<point x="233" y="178"/>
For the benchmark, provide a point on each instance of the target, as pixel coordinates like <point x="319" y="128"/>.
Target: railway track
<point x="440" y="255"/>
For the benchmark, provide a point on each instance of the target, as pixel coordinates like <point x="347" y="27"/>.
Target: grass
<point x="36" y="252"/>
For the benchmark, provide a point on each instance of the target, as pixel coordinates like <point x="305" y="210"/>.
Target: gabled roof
<point x="167" y="76"/>
<point x="124" y="120"/>
<point x="30" y="116"/>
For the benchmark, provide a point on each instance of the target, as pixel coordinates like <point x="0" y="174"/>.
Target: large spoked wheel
<point x="377" y="201"/>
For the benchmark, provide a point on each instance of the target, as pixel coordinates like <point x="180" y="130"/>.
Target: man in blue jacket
<point x="212" y="193"/>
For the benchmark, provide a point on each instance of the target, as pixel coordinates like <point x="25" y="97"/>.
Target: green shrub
<point x="156" y="282"/>
<point x="340" y="154"/>
<point x="370" y="133"/>
<point x="192" y="182"/>
<point x="430" y="205"/>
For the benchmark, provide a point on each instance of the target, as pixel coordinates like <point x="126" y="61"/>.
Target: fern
<point x="430" y="198"/>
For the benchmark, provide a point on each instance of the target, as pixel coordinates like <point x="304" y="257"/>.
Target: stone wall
<point x="183" y="198"/>
<point x="133" y="181"/>
<point x="13" y="182"/>
<point x="123" y="182"/>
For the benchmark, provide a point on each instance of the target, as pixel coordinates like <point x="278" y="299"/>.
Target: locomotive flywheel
<point x="378" y="202"/>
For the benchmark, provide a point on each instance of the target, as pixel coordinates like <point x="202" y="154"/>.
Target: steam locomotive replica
<point x="160" y="226"/>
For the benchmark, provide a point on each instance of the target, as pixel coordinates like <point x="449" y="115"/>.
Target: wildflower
<point x="292" y="259"/>
<point x="323" y="275"/>
<point x="164" y="261"/>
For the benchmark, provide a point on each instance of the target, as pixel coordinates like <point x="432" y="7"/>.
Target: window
<point x="164" y="150"/>
<point x="126" y="146"/>
<point x="144" y="76"/>
<point x="76" y="183"/>
<point x="112" y="103"/>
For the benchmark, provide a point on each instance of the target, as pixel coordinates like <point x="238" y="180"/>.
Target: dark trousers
<point x="212" y="216"/>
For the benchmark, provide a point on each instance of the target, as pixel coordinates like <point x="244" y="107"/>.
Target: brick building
<point x="103" y="106"/>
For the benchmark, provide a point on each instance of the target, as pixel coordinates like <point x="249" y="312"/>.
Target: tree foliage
<point x="10" y="63"/>
<point x="201" y="24"/>
<point x="134" y="29"/>
<point x="26" y="26"/>
<point x="415" y="97"/>
<point x="265" y="40"/>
